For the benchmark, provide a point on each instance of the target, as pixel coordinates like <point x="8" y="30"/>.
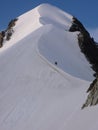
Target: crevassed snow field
<point x="36" y="94"/>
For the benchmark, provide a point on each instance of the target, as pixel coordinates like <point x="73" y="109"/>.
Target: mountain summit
<point x="43" y="74"/>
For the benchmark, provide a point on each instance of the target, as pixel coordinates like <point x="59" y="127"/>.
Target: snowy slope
<point x="35" y="93"/>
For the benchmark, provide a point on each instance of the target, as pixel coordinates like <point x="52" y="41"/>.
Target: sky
<point x="86" y="11"/>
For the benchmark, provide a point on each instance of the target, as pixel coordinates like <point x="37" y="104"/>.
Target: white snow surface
<point x="36" y="94"/>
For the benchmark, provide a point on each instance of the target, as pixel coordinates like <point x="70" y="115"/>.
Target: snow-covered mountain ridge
<point x="55" y="40"/>
<point x="43" y="75"/>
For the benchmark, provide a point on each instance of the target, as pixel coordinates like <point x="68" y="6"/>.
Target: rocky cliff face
<point x="90" y="49"/>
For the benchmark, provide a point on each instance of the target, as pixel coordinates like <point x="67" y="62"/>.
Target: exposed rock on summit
<point x="90" y="49"/>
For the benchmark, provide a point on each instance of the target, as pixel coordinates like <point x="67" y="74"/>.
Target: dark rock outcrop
<point x="90" y="49"/>
<point x="1" y="40"/>
<point x="12" y="23"/>
<point x="9" y="30"/>
<point x="9" y="33"/>
<point x="2" y="35"/>
<point x="92" y="98"/>
<point x="87" y="44"/>
<point x="6" y="34"/>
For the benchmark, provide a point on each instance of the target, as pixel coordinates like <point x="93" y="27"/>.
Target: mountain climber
<point x="56" y="63"/>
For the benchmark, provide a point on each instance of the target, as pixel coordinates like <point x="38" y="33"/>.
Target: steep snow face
<point x="35" y="94"/>
<point x="61" y="47"/>
<point x="26" y="24"/>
